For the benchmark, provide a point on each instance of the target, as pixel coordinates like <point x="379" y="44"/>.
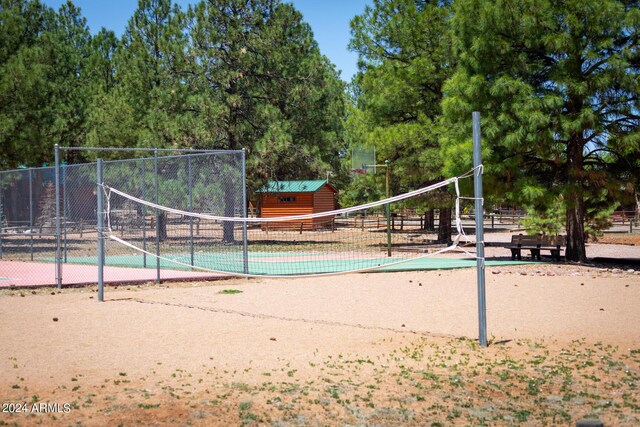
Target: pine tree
<point x="404" y="61"/>
<point x="262" y="84"/>
<point x="557" y="84"/>
<point x="43" y="80"/>
<point x="24" y="87"/>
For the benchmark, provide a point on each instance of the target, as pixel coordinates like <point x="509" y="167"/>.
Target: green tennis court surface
<point x="285" y="263"/>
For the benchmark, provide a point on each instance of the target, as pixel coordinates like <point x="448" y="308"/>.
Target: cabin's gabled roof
<point x="309" y="186"/>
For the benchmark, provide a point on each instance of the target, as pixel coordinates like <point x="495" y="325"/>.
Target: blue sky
<point x="329" y="20"/>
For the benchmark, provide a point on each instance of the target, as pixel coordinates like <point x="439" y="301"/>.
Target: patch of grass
<point x="230" y="291"/>
<point x="246" y="416"/>
<point x="148" y="405"/>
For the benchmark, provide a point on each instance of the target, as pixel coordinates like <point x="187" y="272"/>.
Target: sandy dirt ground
<point x="363" y="349"/>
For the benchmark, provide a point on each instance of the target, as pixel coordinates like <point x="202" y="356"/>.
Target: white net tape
<point x="371" y="205"/>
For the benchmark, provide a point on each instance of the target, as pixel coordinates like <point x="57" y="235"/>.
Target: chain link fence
<point x="33" y="240"/>
<point x="28" y="214"/>
<point x="200" y="183"/>
<point x="37" y="248"/>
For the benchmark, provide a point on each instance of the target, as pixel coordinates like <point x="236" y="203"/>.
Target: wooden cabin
<point x="287" y="198"/>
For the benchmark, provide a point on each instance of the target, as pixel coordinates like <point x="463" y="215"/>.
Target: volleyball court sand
<point x="154" y="353"/>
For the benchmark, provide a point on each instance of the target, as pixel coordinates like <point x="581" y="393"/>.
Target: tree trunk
<point x="429" y="220"/>
<point x="444" y="226"/>
<point x="576" y="250"/>
<point x="232" y="142"/>
<point x="162" y="226"/>
<point x="229" y="208"/>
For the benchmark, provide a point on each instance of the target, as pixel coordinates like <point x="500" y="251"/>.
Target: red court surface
<point x="34" y="274"/>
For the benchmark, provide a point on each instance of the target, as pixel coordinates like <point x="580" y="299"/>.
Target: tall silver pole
<point x="245" y="243"/>
<point x="58" y="241"/>
<point x="479" y="213"/>
<point x="100" y="220"/>
<point x="155" y="173"/>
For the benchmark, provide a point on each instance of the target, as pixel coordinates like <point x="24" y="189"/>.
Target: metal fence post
<point x="144" y="219"/>
<point x="388" y="208"/>
<point x="100" y="221"/>
<point x="245" y="243"/>
<point x="1" y="214"/>
<point x="479" y="211"/>
<point x="155" y="175"/>
<point x="190" y="178"/>
<point x="31" y="212"/>
<point x="65" y="201"/>
<point x="58" y="237"/>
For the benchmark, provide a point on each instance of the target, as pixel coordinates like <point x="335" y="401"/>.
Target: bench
<point x="535" y="244"/>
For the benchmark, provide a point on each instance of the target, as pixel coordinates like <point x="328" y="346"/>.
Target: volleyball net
<point x="361" y="238"/>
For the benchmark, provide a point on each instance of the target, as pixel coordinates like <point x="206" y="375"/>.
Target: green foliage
<point x="404" y="56"/>
<point x="557" y="85"/>
<point x="24" y="89"/>
<point x="221" y="75"/>
<point x="549" y="222"/>
<point x="363" y="189"/>
<point x="404" y="59"/>
<point x="269" y="89"/>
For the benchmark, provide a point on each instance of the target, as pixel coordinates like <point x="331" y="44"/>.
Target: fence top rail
<point x="63" y="166"/>
<point x="180" y="156"/>
<point x="32" y="168"/>
<point x="180" y="150"/>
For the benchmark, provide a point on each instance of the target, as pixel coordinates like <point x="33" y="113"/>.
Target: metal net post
<point x="479" y="211"/>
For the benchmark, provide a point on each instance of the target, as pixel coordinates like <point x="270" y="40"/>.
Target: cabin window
<point x="288" y="199"/>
